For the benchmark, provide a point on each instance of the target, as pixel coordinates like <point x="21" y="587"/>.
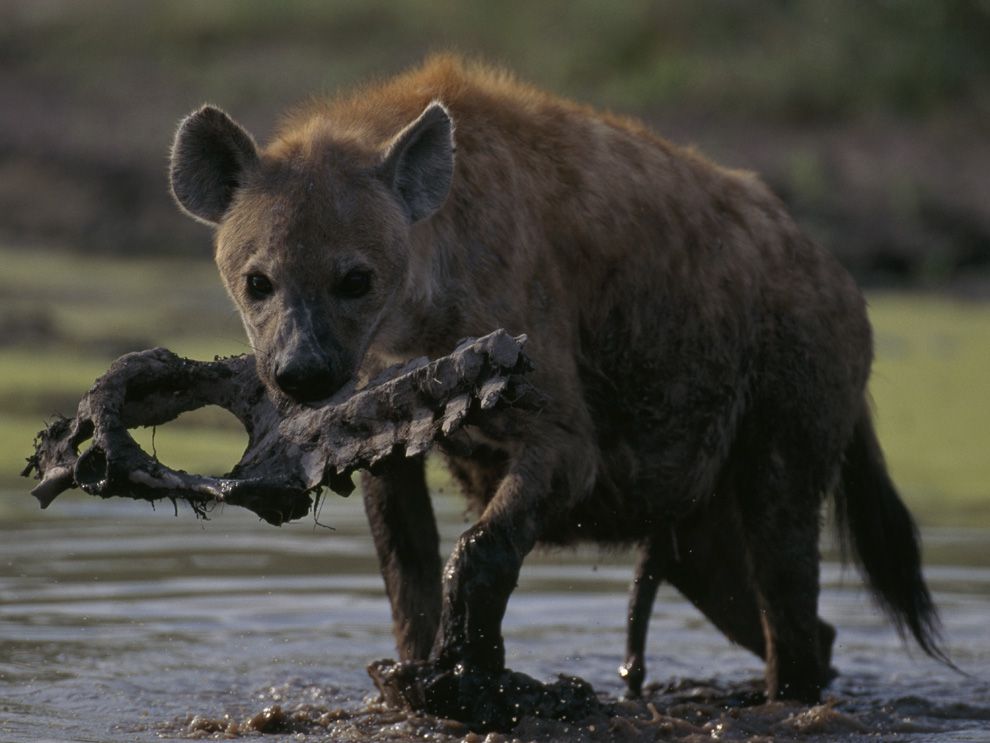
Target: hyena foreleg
<point x="404" y="530"/>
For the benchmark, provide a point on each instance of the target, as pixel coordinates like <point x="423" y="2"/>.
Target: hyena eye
<point x="259" y="286"/>
<point x="355" y="284"/>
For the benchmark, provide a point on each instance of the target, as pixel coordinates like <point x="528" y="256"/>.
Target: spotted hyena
<point x="706" y="362"/>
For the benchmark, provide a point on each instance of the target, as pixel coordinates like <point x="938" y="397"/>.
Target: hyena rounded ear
<point x="210" y="156"/>
<point x="419" y="165"/>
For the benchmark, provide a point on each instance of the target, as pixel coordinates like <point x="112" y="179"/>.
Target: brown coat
<point x="702" y="355"/>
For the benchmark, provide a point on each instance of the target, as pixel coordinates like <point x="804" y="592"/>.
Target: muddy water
<point x="119" y="623"/>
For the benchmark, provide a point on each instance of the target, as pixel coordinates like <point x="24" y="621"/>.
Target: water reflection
<point x="116" y="622"/>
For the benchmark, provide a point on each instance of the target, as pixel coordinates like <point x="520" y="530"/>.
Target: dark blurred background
<point x="871" y="119"/>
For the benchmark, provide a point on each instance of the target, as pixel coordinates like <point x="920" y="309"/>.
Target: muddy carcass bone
<point x="293" y="451"/>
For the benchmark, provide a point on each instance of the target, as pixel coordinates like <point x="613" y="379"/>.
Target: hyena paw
<point x="483" y="700"/>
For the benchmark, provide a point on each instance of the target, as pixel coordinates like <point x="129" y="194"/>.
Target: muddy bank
<point x="685" y="710"/>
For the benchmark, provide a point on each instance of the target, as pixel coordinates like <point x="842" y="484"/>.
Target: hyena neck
<point x="427" y="317"/>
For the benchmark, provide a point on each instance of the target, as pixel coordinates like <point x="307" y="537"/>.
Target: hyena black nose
<point x="305" y="379"/>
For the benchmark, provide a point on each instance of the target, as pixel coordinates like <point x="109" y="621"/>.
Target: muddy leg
<point x="648" y="576"/>
<point x="405" y="534"/>
<point x="466" y="678"/>
<point x="779" y="516"/>
<point x="482" y="572"/>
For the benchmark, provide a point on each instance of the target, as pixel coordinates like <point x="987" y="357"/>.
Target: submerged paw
<point x="481" y="699"/>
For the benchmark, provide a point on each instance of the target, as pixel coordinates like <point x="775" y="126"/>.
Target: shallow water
<point x="119" y="623"/>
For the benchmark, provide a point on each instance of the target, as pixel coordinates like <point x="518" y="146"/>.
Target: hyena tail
<point x="871" y="515"/>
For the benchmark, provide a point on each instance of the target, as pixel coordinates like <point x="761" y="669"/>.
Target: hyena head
<point x="312" y="235"/>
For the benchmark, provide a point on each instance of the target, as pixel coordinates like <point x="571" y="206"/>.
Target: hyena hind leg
<point x="779" y="507"/>
<point x="646" y="580"/>
<point x="705" y="558"/>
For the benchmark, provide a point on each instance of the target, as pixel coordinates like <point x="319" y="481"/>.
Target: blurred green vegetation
<point x="930" y="388"/>
<point x="789" y="58"/>
<point x="869" y="117"/>
<point x="929" y="384"/>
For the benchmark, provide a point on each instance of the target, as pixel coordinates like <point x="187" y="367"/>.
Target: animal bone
<point x="292" y="451"/>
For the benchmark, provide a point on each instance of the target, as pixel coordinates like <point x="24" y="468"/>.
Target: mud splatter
<point x="687" y="710"/>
